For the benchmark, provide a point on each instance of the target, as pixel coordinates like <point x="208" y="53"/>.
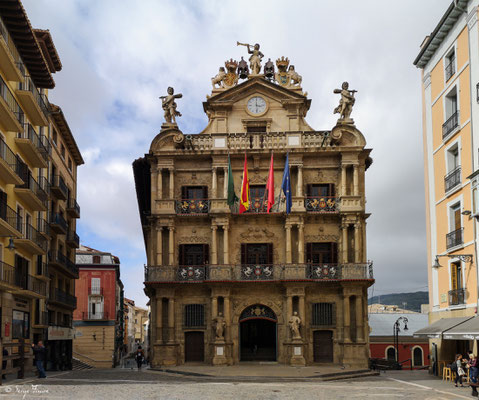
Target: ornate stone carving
<point x="269" y="70"/>
<point x="218" y="78"/>
<point x="219" y="325"/>
<point x="321" y="238"/>
<point x="345" y="104"/>
<point x="255" y="58"/>
<point x="193" y="239"/>
<point x="169" y="105"/>
<point x="243" y="70"/>
<point x="287" y="77"/>
<point x="231" y="77"/>
<point x="256" y="233"/>
<point x="295" y="78"/>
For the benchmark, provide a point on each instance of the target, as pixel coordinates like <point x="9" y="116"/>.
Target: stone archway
<point x="258" y="334"/>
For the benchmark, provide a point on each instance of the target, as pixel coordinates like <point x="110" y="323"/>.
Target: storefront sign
<point x="60" y="333"/>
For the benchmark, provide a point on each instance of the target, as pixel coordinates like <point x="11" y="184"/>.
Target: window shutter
<point x="243" y="253"/>
<point x="454" y="276"/>
<point x="269" y="247"/>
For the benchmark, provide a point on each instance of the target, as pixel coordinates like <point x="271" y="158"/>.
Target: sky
<point x="119" y="56"/>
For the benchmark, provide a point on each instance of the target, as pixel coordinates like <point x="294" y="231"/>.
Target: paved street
<point x="131" y="384"/>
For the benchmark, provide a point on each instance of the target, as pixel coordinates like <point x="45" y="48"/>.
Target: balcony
<point x="457" y="297"/>
<point x="7" y="276"/>
<point x="452" y="179"/>
<point x="322" y="204"/>
<point x="32" y="193"/>
<point x="10" y="62"/>
<point x="89" y="316"/>
<point x="454" y="238"/>
<point x="10" y="222"/>
<point x="35" y="148"/>
<point x="41" y="270"/>
<point x="31" y="286"/>
<point x="31" y="240"/>
<point x="58" y="224"/>
<point x="259" y="272"/>
<point x="450" y="125"/>
<point x="11" y="115"/>
<point x="9" y="165"/>
<point x="450" y="69"/>
<point x="64" y="298"/>
<point x="259" y="205"/>
<point x="73" y="240"/>
<point x="73" y="209"/>
<point x="192" y="206"/>
<point x="59" y="260"/>
<point x="43" y="227"/>
<point x="59" y="188"/>
<point x="41" y="319"/>
<point x="32" y="102"/>
<point x="95" y="291"/>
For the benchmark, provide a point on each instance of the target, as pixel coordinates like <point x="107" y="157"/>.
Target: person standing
<point x="459" y="370"/>
<point x="39" y="352"/>
<point x="139" y="357"/>
<point x="473" y="367"/>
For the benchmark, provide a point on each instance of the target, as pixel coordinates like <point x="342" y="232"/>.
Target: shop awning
<point x="468" y="330"/>
<point x="436" y="329"/>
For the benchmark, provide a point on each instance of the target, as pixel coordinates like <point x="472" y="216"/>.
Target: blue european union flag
<point x="286" y="186"/>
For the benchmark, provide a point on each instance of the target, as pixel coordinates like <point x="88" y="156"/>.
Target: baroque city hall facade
<point x="226" y="286"/>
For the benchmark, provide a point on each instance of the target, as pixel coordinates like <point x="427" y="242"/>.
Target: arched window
<point x="391" y="353"/>
<point x="417" y="357"/>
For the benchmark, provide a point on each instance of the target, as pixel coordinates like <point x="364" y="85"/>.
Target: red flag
<point x="244" y="198"/>
<point x="270" y="185"/>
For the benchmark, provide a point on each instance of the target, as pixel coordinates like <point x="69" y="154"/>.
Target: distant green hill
<point x="413" y="300"/>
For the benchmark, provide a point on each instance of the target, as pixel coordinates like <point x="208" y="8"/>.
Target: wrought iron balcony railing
<point x="454" y="238"/>
<point x="41" y="318"/>
<point x="73" y="237"/>
<point x="87" y="316"/>
<point x="31" y="283"/>
<point x="65" y="298"/>
<point x="13" y="105"/>
<point x="73" y="206"/>
<point x="11" y="46"/>
<point x="451" y="124"/>
<point x="9" y="157"/>
<point x="58" y="219"/>
<point x="28" y="84"/>
<point x="39" y="141"/>
<point x="32" y="184"/>
<point x="56" y="257"/>
<point x="7" y="273"/>
<point x="42" y="269"/>
<point x="32" y="234"/>
<point x="259" y="205"/>
<point x="324" y="204"/>
<point x="457" y="297"/>
<point x="450" y="69"/>
<point x="192" y="206"/>
<point x="43" y="226"/>
<point x="59" y="184"/>
<point x="259" y="272"/>
<point x="10" y="216"/>
<point x="452" y="179"/>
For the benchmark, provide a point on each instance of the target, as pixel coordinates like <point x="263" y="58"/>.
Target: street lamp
<point x="396" y="330"/>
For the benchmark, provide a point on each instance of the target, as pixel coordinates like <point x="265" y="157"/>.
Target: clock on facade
<point x="256" y="105"/>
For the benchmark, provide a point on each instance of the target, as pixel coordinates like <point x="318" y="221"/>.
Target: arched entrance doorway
<point x="258" y="334"/>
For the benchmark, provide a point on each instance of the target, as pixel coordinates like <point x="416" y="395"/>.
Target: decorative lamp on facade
<point x="462" y="257"/>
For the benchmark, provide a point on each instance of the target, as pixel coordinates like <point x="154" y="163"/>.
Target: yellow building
<point x="28" y="123"/>
<point x="141" y="316"/>
<point x="449" y="60"/>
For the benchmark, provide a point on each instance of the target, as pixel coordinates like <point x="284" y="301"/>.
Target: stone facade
<point x="211" y="299"/>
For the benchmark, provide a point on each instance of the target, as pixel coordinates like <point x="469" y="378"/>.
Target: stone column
<point x="289" y="307"/>
<point x="172" y="183"/>
<point x="153" y="321"/>
<point x="171" y="320"/>
<point x="159" y="186"/>
<point x="159" y="246"/>
<point x="214" y="183"/>
<point x="151" y="250"/>
<point x="343" y="180"/>
<point x="359" y="319"/>
<point x="356" y="180"/>
<point x="299" y="191"/>
<point x="288" y="244"/>
<point x="214" y="246"/>
<point x="225" y="194"/>
<point x="153" y="189"/>
<point x="344" y="244"/>
<point x="159" y="319"/>
<point x="171" y="245"/>
<point x="302" y="311"/>
<point x="214" y="307"/>
<point x="346" y="319"/>
<point x="357" y="248"/>
<point x="226" y="312"/>
<point x="226" y="255"/>
<point x="301" y="243"/>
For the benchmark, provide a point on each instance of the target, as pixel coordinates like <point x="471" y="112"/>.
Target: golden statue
<point x="255" y="58"/>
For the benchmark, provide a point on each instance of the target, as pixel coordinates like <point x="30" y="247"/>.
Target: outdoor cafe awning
<point x="468" y="330"/>
<point x="438" y="328"/>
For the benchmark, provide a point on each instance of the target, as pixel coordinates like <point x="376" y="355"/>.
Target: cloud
<point x="119" y="56"/>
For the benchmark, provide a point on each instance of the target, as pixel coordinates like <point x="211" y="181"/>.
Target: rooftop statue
<point x="345" y="104"/>
<point x="255" y="58"/>
<point x="243" y="70"/>
<point x="218" y="78"/>
<point x="285" y="77"/>
<point x="169" y="105"/>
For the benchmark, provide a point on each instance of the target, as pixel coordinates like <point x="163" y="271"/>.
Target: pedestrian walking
<point x="459" y="367"/>
<point x="139" y="357"/>
<point x="39" y="351"/>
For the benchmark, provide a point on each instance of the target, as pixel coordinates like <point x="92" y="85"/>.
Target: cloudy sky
<point x="118" y="56"/>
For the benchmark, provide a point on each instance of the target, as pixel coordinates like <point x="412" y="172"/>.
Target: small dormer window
<point x="96" y="259"/>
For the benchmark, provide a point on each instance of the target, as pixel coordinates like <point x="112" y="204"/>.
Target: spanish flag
<point x="244" y="198"/>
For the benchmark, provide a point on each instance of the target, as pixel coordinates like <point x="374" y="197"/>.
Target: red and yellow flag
<point x="244" y="198"/>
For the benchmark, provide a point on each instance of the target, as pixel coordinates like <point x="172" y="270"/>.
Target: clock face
<point x="256" y="105"/>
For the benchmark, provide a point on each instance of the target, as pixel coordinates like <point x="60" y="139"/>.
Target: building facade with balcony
<point x="98" y="316"/>
<point x="449" y="63"/>
<point x="28" y="59"/>
<point x="225" y="286"/>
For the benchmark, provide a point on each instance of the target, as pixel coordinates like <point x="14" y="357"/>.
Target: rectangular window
<point x="194" y="315"/>
<point x="456" y="276"/>
<point x="96" y="259"/>
<point x="454" y="237"/>
<point x="70" y="164"/>
<point x="95" y="285"/>
<point x="55" y="137"/>
<point x="62" y="151"/>
<point x="320" y="190"/>
<point x="322" y="253"/>
<point x="323" y="314"/>
<point x="256" y="253"/>
<point x="193" y="254"/>
<point x="194" y="192"/>
<point x="20" y="324"/>
<point x="19" y="218"/>
<point x="450" y="64"/>
<point x="451" y="103"/>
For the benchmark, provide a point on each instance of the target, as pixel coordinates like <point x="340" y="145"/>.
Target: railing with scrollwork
<point x="259" y="272"/>
<point x="451" y="123"/>
<point x="325" y="204"/>
<point x="452" y="179"/>
<point x="192" y="206"/>
<point x="457" y="297"/>
<point x="454" y="238"/>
